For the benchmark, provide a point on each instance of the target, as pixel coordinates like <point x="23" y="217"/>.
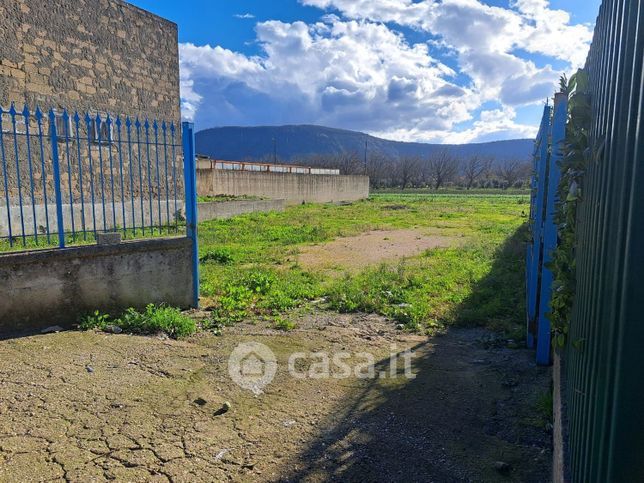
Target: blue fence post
<point x="190" y="179"/>
<point x="550" y="229"/>
<point x="537" y="216"/>
<point x="57" y="189"/>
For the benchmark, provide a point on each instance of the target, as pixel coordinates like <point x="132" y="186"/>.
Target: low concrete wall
<point x="170" y="210"/>
<point x="42" y="288"/>
<point x="227" y="209"/>
<point x="294" y="188"/>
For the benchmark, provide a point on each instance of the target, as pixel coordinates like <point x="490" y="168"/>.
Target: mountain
<point x="293" y="142"/>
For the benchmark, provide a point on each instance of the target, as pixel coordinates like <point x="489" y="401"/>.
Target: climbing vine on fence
<point x="576" y="158"/>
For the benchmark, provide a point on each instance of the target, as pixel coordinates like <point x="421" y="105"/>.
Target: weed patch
<point x="152" y="320"/>
<point x="222" y="256"/>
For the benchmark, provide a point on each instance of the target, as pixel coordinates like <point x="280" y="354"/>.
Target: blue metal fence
<point x="67" y="176"/>
<point x="545" y="183"/>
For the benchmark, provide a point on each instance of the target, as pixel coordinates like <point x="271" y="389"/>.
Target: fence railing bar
<point x="57" y="188"/>
<point x="108" y="123"/>
<point x="27" y="119"/>
<point x="149" y="165"/>
<point x="65" y="117"/>
<point x="174" y="178"/>
<point x="120" y="151"/>
<point x="12" y="113"/>
<point x="137" y="124"/>
<point x="88" y="123"/>
<point x="155" y="127"/>
<point x="128" y="126"/>
<point x="80" y="174"/>
<point x="39" y="117"/>
<point x="5" y="175"/>
<point x="101" y="174"/>
<point x="167" y="186"/>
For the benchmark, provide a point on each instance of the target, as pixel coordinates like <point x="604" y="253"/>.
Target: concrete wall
<point x="227" y="209"/>
<point x="43" y="288"/>
<point x="104" y="55"/>
<point x="294" y="188"/>
<point x="141" y="217"/>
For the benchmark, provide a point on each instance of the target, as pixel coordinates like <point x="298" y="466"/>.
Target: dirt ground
<point x="369" y="248"/>
<point x="94" y="407"/>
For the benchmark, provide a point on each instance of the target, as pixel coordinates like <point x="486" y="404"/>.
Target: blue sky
<point x="421" y="70"/>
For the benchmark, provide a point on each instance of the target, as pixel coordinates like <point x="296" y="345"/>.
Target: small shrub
<point x="259" y="282"/>
<point x="221" y="255"/>
<point x="233" y="306"/>
<point x="97" y="320"/>
<point x="544" y="406"/>
<point x="279" y="301"/>
<point x="284" y="324"/>
<point x="216" y="328"/>
<point x="153" y="320"/>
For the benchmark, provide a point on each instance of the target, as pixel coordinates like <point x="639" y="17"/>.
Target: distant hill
<point x="293" y="142"/>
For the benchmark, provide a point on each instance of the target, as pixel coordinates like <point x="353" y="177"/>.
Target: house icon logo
<point x="252" y="366"/>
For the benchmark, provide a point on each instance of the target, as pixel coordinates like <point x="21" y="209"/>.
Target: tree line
<point x="436" y="171"/>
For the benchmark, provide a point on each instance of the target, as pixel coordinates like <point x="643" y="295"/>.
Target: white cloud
<point x="493" y="125"/>
<point x="473" y="25"/>
<point x="343" y="73"/>
<point x="353" y="70"/>
<point x="244" y="15"/>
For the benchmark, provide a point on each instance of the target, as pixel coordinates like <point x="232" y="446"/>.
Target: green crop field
<point x="251" y="265"/>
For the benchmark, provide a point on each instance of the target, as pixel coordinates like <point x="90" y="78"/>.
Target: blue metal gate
<point x="545" y="184"/>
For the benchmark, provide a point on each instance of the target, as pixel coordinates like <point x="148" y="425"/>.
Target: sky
<point x="440" y="71"/>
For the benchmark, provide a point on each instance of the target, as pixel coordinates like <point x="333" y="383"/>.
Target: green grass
<point x="249" y="263"/>
<point x="454" y="191"/>
<point x="153" y="320"/>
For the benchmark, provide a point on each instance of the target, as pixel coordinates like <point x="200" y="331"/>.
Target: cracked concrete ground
<point x="95" y="407"/>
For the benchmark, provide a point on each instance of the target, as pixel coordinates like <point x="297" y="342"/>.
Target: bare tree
<point x="379" y="170"/>
<point x="442" y="167"/>
<point x="509" y="172"/>
<point x="474" y="168"/>
<point x="407" y="170"/>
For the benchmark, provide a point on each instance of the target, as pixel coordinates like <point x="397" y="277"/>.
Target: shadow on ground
<point x="470" y="414"/>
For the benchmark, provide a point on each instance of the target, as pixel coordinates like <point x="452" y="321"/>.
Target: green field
<point x="250" y="266"/>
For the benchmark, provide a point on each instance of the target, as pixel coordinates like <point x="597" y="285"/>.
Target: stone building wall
<point x="96" y="56"/>
<point x="103" y="55"/>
